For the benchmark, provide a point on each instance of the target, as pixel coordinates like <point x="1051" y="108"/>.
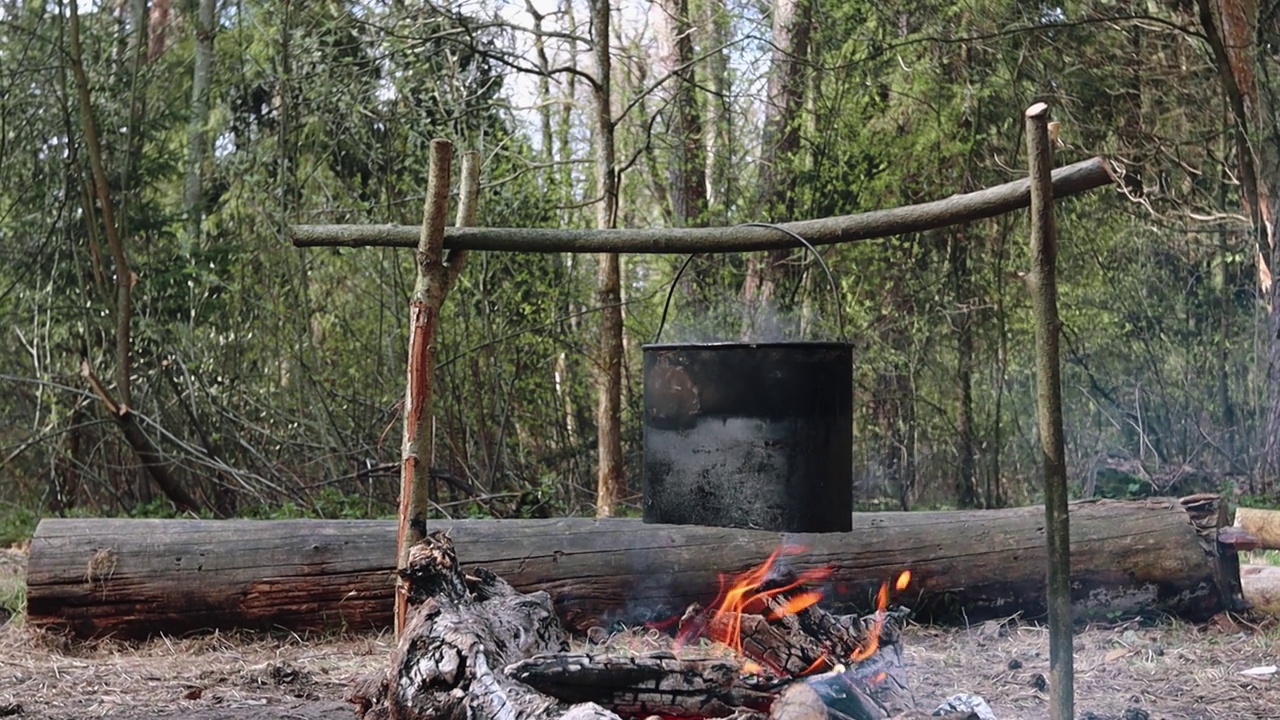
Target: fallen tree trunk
<point x="133" y="578"/>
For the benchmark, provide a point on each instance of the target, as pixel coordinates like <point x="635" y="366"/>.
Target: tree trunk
<point x="197" y="132"/>
<point x="688" y="180"/>
<point x="119" y="406"/>
<point x="1042" y="283"/>
<point x="425" y="303"/>
<point x="780" y="140"/>
<point x="134" y="578"/>
<point x="124" y="275"/>
<point x="1231" y="30"/>
<point x="892" y="398"/>
<point x="966" y="483"/>
<point x="718" y="130"/>
<point x="792" y="20"/>
<point x="611" y="482"/>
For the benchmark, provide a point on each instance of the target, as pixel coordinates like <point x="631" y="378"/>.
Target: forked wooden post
<point x="432" y="282"/>
<point x="424" y="313"/>
<point x="1043" y="283"/>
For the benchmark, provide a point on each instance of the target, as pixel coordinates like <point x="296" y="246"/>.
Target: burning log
<point x="769" y="620"/>
<point x="875" y="689"/>
<point x="656" y="683"/>
<point x="461" y="631"/>
<point x="132" y="578"/>
<point x="664" y="685"/>
<point x="476" y="649"/>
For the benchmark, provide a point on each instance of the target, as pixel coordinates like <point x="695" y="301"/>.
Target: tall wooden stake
<point x="1043" y="283"/>
<point x="424" y="314"/>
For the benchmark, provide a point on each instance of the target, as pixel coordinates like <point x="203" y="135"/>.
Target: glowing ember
<point x="821" y="663"/>
<point x="765" y="591"/>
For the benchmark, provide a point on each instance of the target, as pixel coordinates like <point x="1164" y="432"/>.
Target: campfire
<point x="476" y="648"/>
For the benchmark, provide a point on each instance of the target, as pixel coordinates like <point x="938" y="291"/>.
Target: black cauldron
<point x="749" y="435"/>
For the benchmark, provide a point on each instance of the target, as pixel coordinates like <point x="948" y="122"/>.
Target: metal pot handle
<point x="835" y="291"/>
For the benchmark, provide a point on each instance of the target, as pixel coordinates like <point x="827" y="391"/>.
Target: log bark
<point x="1069" y="180"/>
<point x="133" y="578"/>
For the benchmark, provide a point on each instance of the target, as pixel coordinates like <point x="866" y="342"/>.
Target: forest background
<point x="167" y="351"/>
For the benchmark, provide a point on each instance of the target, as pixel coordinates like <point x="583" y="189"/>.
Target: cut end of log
<point x="1037" y="110"/>
<point x="798" y="702"/>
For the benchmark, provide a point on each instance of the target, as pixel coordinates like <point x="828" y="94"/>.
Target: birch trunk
<point x="688" y="180"/>
<point x="197" y="132"/>
<point x="718" y="135"/>
<point x="780" y="139"/>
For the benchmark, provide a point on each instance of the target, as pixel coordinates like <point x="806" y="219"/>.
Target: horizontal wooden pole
<point x="131" y="578"/>
<point x="989" y="202"/>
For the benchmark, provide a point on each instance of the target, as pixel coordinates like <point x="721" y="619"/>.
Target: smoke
<point x="734" y="320"/>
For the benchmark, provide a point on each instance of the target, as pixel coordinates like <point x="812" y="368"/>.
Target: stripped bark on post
<point x="1042" y="281"/>
<point x="424" y="314"/>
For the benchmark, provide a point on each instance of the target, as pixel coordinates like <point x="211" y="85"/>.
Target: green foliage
<point x="13" y="598"/>
<point x="17" y="524"/>
<point x="271" y="377"/>
<point x="1260" y="502"/>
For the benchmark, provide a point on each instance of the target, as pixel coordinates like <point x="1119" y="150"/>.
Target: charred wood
<point x="875" y="689"/>
<point x="461" y="632"/>
<point x="652" y="684"/>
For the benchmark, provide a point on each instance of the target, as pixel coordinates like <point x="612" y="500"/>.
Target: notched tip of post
<point x="1037" y="110"/>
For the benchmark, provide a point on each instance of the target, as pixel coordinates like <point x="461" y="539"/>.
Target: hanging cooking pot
<point x="749" y="434"/>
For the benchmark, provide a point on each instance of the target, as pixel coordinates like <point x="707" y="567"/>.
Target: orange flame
<point x="882" y="606"/>
<point x="821" y="663"/>
<point x="741" y="594"/>
<point x="793" y="605"/>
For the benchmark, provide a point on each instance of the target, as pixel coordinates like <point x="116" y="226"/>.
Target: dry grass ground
<point x="214" y="676"/>
<point x="1171" y="671"/>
